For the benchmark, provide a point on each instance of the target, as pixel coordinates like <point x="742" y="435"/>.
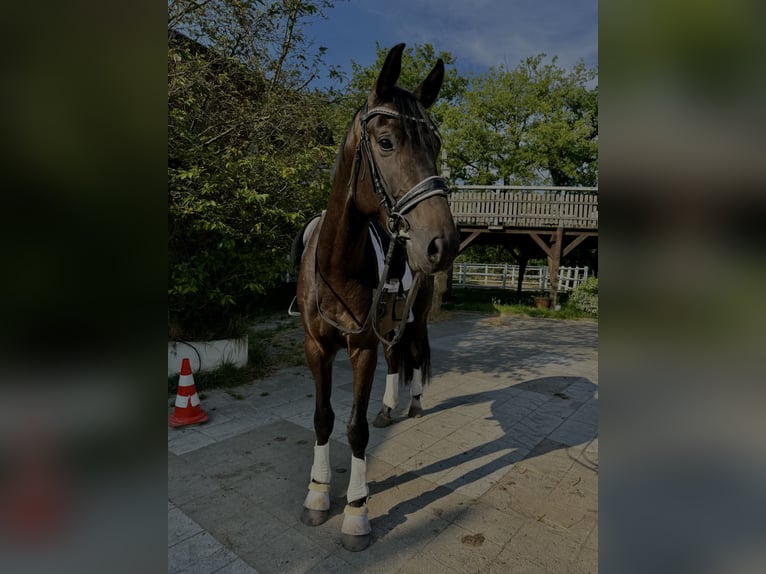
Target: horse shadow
<point x="538" y="427"/>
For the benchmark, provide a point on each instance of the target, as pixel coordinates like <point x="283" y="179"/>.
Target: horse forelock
<point x="421" y="133"/>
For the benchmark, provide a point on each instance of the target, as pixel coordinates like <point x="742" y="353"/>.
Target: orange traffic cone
<point x="188" y="410"/>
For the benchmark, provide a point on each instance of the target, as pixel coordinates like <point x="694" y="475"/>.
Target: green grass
<point x="503" y="302"/>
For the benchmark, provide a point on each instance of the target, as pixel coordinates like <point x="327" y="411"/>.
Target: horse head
<point x="398" y="147"/>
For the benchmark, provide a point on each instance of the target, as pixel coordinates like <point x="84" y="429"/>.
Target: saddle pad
<point x="392" y="285"/>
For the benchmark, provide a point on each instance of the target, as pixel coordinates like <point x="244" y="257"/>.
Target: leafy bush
<point x="585" y="296"/>
<point x="248" y="160"/>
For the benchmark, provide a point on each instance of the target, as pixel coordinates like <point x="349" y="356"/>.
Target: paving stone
<point x="180" y="526"/>
<point x="237" y="566"/>
<point x="499" y="475"/>
<point x="199" y="553"/>
<point x="291" y="552"/>
<point x="573" y="432"/>
<point x="462" y="549"/>
<point x="544" y="545"/>
<point x="188" y="440"/>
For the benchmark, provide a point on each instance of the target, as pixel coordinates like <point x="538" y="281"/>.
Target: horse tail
<point x="413" y="351"/>
<point x="296" y="252"/>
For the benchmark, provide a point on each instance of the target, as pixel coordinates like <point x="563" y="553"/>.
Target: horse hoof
<point x="382" y="420"/>
<point x="311" y="517"/>
<point x="355" y="542"/>
<point x="415" y="412"/>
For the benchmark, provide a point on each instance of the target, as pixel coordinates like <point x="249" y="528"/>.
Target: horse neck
<point x="345" y="229"/>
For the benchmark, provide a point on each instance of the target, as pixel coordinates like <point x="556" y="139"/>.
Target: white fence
<point x="505" y="276"/>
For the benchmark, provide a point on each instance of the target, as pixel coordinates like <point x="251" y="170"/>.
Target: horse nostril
<point x="436" y="250"/>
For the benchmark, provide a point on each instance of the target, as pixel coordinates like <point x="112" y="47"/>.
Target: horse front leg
<point x="316" y="506"/>
<point x="391" y="394"/>
<point x="356" y="529"/>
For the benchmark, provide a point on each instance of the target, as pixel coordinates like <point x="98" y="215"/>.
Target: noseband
<point x="395" y="208"/>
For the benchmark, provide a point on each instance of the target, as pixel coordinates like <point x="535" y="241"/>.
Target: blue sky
<point x="478" y="33"/>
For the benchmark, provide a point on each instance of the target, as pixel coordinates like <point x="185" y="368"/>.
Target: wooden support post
<point x="522" y="270"/>
<point x="521" y="258"/>
<point x="554" y="263"/>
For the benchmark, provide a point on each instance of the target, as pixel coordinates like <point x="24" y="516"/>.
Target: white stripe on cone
<point x="185" y="381"/>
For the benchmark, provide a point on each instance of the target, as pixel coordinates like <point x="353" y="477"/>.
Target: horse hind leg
<point x="391" y="394"/>
<point x="420" y="360"/>
<point x="416" y="392"/>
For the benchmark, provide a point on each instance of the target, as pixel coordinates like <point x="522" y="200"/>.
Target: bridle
<point x="395" y="208"/>
<point x="398" y="226"/>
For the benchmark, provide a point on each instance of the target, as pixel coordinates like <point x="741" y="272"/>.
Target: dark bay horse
<point x="385" y="174"/>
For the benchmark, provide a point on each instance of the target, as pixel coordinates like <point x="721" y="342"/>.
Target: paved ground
<point x="499" y="475"/>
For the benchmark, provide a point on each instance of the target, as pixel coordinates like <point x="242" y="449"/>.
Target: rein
<point x="397" y="225"/>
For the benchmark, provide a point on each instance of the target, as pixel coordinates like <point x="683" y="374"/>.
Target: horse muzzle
<point x="429" y="253"/>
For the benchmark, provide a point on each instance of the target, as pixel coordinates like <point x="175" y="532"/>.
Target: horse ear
<point x="392" y="67"/>
<point x="428" y="90"/>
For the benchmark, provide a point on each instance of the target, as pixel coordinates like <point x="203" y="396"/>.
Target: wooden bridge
<point x="527" y="219"/>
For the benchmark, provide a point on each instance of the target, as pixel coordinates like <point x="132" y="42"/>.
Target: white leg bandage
<point x="357" y="483"/>
<point x="320" y="470"/>
<point x="391" y="396"/>
<point x="416" y="386"/>
<point x="355" y="520"/>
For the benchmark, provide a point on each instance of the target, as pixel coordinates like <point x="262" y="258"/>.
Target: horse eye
<point x="385" y="144"/>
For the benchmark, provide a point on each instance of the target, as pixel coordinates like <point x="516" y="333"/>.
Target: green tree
<point x="248" y="152"/>
<point x="536" y="124"/>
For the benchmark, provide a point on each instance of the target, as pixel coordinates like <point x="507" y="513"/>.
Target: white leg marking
<point x="391" y="396"/>
<point x="416" y="386"/>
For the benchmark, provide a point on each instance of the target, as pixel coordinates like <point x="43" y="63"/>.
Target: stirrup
<point x="290" y="309"/>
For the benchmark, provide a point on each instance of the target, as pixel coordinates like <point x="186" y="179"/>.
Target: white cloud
<point x="483" y="33"/>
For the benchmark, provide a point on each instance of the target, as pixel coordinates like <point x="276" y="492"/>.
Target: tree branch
<point x="286" y="44"/>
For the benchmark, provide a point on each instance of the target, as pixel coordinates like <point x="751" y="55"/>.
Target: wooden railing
<point x="525" y="207"/>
